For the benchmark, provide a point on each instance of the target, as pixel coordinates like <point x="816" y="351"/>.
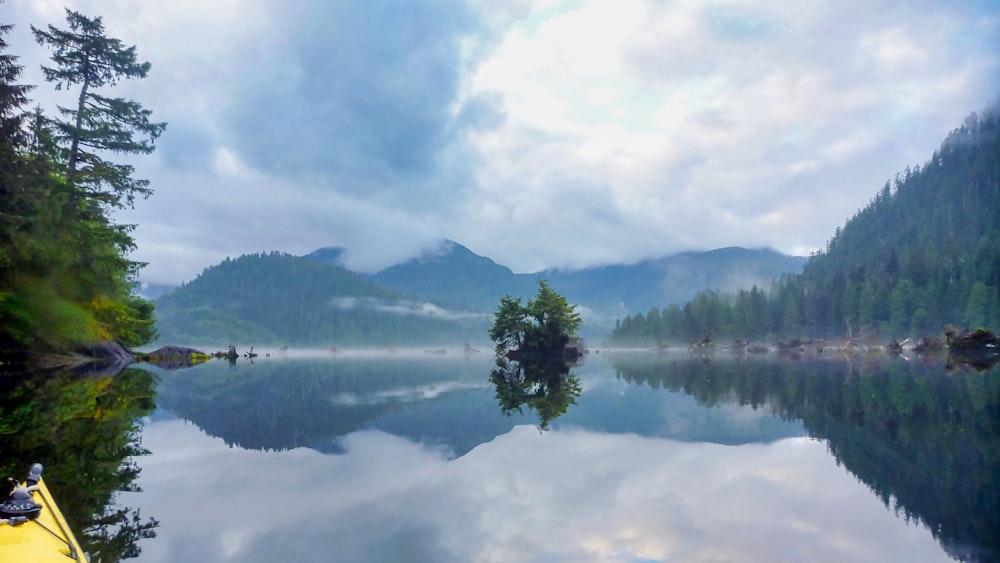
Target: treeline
<point x="925" y="252"/>
<point x="279" y="299"/>
<point x="65" y="276"/>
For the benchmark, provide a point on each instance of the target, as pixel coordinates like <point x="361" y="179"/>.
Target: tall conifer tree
<point x="84" y="57"/>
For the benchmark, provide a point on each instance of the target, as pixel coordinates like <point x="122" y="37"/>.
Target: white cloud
<point x="543" y="134"/>
<point x="405" y="307"/>
<point x="893" y="48"/>
<point x="713" y="118"/>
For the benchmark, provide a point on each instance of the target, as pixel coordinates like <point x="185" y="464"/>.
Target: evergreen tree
<point x="13" y="96"/>
<point x="543" y="326"/>
<point x="86" y="58"/>
<point x="65" y="278"/>
<point x="977" y="310"/>
<point x="925" y="252"/>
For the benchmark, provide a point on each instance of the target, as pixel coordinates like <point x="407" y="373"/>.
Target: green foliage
<point x="130" y="321"/>
<point x="70" y="323"/>
<point x="85" y="57"/>
<point x="276" y="299"/>
<point x="65" y="279"/>
<point x="545" y="324"/>
<point x="510" y="324"/>
<point x="85" y="430"/>
<point x="923" y="440"/>
<point x="925" y="252"/>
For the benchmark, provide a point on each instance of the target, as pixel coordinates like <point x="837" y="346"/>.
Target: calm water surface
<point x="661" y="458"/>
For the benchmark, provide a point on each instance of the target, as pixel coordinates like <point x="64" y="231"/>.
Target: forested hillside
<point x="65" y="276"/>
<point x="672" y="279"/>
<point x="454" y="275"/>
<point x="925" y="252"/>
<point x="279" y="299"/>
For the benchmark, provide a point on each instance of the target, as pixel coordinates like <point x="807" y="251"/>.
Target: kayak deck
<point x="43" y="539"/>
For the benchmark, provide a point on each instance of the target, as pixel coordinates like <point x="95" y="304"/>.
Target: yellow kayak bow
<point x="31" y="526"/>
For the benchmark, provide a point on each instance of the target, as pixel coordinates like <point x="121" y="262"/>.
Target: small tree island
<point x="531" y="348"/>
<point x="539" y="329"/>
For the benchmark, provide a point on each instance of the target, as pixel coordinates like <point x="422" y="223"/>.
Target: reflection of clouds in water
<point x="563" y="495"/>
<point x="744" y="417"/>
<point x="404" y="394"/>
<point x="733" y="417"/>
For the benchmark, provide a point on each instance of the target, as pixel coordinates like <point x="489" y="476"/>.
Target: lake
<point x="653" y="457"/>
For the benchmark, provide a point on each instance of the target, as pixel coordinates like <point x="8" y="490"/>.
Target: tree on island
<point x="540" y="328"/>
<point x="534" y="336"/>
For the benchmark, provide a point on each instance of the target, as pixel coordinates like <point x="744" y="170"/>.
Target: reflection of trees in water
<point x="925" y="442"/>
<point x="85" y="431"/>
<point x="544" y="386"/>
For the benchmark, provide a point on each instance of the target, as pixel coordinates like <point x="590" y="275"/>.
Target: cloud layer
<point x="542" y="133"/>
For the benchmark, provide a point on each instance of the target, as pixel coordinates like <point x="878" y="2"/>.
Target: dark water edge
<point x="922" y="434"/>
<point x="83" y="425"/>
<point x="922" y="437"/>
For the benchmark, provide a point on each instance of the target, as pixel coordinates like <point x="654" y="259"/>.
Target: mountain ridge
<point x="278" y="298"/>
<point x="447" y="291"/>
<point x="453" y="274"/>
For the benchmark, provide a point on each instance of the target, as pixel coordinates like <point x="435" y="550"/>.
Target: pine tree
<point x="86" y="58"/>
<point x="13" y="204"/>
<point x="13" y="96"/>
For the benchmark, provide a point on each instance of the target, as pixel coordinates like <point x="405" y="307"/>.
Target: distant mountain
<point x="282" y="299"/>
<point x="924" y="253"/>
<point x="454" y="275"/>
<point x="332" y="254"/>
<point x="674" y="279"/>
<point x="441" y="296"/>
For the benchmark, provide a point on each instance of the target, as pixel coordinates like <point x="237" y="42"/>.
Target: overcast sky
<point x="540" y="133"/>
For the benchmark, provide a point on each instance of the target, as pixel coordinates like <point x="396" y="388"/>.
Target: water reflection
<point x="661" y="458"/>
<point x="84" y="429"/>
<point x="546" y="387"/>
<point x="284" y="404"/>
<point x="569" y="495"/>
<point x="922" y="438"/>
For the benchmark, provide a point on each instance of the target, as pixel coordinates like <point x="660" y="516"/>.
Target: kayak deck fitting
<point x="31" y="526"/>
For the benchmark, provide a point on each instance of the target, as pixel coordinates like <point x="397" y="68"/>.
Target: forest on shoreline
<point x="66" y="279"/>
<point x="923" y="254"/>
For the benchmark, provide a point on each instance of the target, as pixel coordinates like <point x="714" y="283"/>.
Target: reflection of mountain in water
<point x="924" y="441"/>
<point x="618" y="408"/>
<point x="280" y="404"/>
